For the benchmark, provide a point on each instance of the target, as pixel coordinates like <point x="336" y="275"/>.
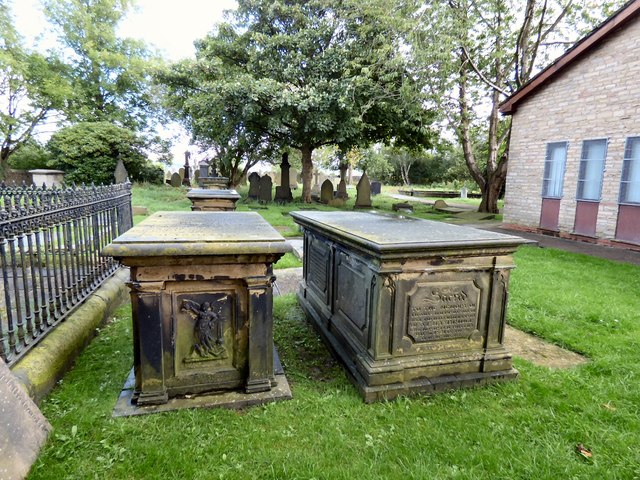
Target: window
<point x="591" y="169"/>
<point x="554" y="169"/>
<point x="630" y="183"/>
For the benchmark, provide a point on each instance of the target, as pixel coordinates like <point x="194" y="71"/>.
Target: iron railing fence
<point x="50" y="243"/>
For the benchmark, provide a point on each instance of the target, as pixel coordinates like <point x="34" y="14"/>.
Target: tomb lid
<point x="198" y="233"/>
<point x="388" y="233"/>
<point x="208" y="193"/>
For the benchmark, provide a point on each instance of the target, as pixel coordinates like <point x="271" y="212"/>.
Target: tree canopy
<point x="110" y="75"/>
<point x="303" y="75"/>
<point x="32" y="87"/>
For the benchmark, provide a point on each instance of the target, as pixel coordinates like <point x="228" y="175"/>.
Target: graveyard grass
<point x="529" y="428"/>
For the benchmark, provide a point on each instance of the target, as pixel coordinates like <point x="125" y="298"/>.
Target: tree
<point x="32" y="87"/>
<point x="88" y="152"/>
<point x="304" y="74"/>
<point x="480" y="51"/>
<point x="111" y="76"/>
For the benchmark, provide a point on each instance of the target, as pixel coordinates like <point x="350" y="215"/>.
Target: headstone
<point x="23" y="428"/>
<point x="342" y="185"/>
<point x="342" y="190"/>
<point x="283" y="192"/>
<point x="181" y="173"/>
<point x="167" y="177"/>
<point x="196" y="175"/>
<point x="293" y="179"/>
<point x="376" y="188"/>
<point x="336" y="202"/>
<point x="121" y="173"/>
<point x="326" y="191"/>
<point x="203" y="169"/>
<point x="464" y="192"/>
<point x="265" y="194"/>
<point x="176" y="180"/>
<point x="254" y="185"/>
<point x="363" y="193"/>
<point x="440" y="204"/>
<point x="186" y="179"/>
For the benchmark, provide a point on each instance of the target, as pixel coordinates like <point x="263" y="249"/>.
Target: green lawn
<point x="527" y="429"/>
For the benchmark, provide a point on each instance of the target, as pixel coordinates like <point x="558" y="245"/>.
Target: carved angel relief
<point x="208" y="332"/>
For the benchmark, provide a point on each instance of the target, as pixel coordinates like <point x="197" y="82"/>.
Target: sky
<point x="171" y="26"/>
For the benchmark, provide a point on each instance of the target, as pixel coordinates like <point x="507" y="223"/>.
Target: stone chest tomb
<point x="201" y="291"/>
<point x="408" y="305"/>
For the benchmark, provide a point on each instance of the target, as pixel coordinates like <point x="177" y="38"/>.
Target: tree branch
<point x="481" y="75"/>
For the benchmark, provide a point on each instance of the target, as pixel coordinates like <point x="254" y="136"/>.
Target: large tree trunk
<point x="307" y="172"/>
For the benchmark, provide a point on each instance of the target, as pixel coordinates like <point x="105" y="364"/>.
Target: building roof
<point x="618" y="20"/>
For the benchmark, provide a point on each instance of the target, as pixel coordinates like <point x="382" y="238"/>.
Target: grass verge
<point x="524" y="429"/>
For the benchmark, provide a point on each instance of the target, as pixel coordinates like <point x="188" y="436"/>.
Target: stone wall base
<point x="44" y="365"/>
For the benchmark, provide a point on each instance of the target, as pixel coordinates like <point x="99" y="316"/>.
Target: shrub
<point x="89" y="152"/>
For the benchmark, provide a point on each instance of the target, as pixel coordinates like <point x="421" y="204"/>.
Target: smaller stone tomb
<point x="201" y="290"/>
<point x="203" y="199"/>
<point x="23" y="428"/>
<point x="376" y="188"/>
<point x="409" y="305"/>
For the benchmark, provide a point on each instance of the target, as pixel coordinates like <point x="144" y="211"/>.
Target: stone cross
<point x="186" y="180"/>
<point x="283" y="192"/>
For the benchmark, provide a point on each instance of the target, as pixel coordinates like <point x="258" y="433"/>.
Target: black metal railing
<point x="50" y="243"/>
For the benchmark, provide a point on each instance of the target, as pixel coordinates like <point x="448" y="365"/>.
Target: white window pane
<point x="630" y="185"/>
<point x="554" y="169"/>
<point x="591" y="169"/>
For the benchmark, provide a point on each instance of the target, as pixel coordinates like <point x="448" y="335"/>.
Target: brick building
<point x="574" y="157"/>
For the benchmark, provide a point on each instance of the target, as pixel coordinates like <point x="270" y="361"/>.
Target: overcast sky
<point x="169" y="25"/>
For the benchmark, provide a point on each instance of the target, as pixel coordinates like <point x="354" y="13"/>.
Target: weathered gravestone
<point x="464" y="192"/>
<point x="176" y="180"/>
<point x="196" y="176"/>
<point x="416" y="306"/>
<point x="342" y="190"/>
<point x="376" y="188"/>
<point x="363" y="193"/>
<point x="23" y="428"/>
<point x="181" y="173"/>
<point x="254" y="186"/>
<point x="121" y="175"/>
<point x="283" y="191"/>
<point x="326" y="191"/>
<point x="265" y="194"/>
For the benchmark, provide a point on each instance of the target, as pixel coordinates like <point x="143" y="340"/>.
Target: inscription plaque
<point x="442" y="311"/>
<point x="318" y="261"/>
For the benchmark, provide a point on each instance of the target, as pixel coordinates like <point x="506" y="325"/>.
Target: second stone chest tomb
<point x="408" y="305"/>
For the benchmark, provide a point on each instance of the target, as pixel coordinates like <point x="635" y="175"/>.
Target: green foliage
<point x="30" y="156"/>
<point x="302" y="75"/>
<point x="110" y="75"/>
<point x="32" y="86"/>
<point x="88" y="152"/>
